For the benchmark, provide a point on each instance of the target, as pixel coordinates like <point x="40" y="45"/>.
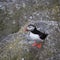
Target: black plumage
<point x="42" y="35"/>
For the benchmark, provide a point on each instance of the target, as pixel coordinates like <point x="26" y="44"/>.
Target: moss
<point x="15" y="58"/>
<point x="28" y="56"/>
<point x="2" y="26"/>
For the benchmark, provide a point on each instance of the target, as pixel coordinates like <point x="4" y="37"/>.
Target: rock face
<point x="15" y="14"/>
<point x="18" y="47"/>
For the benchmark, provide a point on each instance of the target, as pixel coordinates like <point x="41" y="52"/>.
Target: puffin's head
<point x="30" y="27"/>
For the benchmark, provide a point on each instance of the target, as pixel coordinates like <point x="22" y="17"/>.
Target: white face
<point x="30" y="28"/>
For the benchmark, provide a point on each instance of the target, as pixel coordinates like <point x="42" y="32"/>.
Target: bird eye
<point x="30" y="27"/>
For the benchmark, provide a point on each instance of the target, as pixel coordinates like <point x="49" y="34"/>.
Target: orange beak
<point x="26" y="29"/>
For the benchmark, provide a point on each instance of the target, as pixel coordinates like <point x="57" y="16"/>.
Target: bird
<point x="36" y="35"/>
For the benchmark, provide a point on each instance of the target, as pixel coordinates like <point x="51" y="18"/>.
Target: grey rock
<point x="14" y="14"/>
<point x="49" y="51"/>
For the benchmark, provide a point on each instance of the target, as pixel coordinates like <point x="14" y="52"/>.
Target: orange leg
<point x="34" y="44"/>
<point x="38" y="45"/>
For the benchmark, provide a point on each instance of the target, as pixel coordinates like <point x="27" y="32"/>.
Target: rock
<point x="21" y="48"/>
<point x="14" y="14"/>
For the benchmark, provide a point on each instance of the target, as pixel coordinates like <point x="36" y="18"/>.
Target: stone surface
<point x="17" y="46"/>
<point x="15" y="14"/>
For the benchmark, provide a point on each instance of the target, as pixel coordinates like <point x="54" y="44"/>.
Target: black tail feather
<point x="43" y="36"/>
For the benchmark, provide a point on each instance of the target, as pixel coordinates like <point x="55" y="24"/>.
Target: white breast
<point x="34" y="36"/>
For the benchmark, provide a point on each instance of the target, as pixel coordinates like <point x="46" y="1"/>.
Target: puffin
<point x="36" y="35"/>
